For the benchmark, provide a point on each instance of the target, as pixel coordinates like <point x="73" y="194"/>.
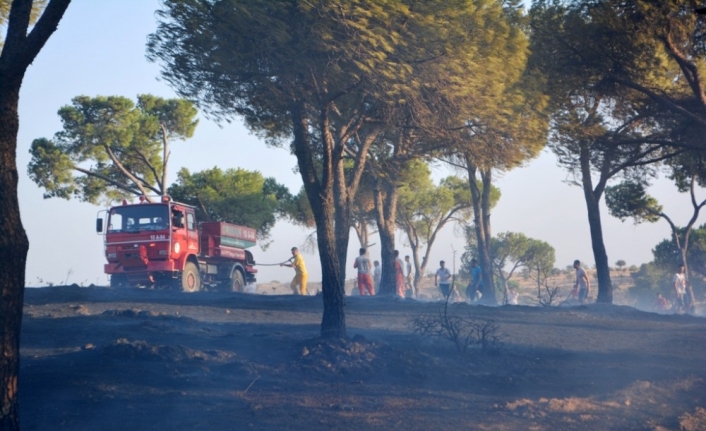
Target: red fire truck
<point x="161" y="244"/>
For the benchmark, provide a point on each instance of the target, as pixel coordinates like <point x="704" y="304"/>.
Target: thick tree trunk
<point x="605" y="287"/>
<point x="385" y="212"/>
<point x="489" y="295"/>
<point x="17" y="54"/>
<point x="387" y="257"/>
<point x="321" y="196"/>
<point x="13" y="255"/>
<point x="481" y="219"/>
<point x="333" y="321"/>
<point x="343" y="220"/>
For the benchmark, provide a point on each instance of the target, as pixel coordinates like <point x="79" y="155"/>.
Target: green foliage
<point x="620" y="264"/>
<point x="512" y="251"/>
<point x="687" y="167"/>
<point x="281" y="50"/>
<point x="667" y="255"/>
<point x="109" y="147"/>
<point x="540" y="258"/>
<point x="504" y="106"/>
<point x="647" y="53"/>
<point x="299" y="210"/>
<point x="234" y="195"/>
<point x="628" y="200"/>
<point x="656" y="276"/>
<point x="423" y="207"/>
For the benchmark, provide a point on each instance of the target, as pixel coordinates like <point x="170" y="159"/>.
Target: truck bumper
<point x="154" y="266"/>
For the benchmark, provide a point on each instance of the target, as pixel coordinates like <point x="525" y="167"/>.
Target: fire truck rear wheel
<point x="190" y="278"/>
<point x="237" y="281"/>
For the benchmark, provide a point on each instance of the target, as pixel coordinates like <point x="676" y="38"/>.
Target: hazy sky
<point x="99" y="49"/>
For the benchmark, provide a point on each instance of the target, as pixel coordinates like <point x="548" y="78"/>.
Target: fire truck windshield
<point x="136" y="218"/>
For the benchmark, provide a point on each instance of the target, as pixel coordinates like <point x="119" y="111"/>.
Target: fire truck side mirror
<point x="99" y="225"/>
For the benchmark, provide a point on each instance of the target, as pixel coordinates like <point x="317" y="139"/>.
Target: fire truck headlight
<point x="177" y="248"/>
<point x="112" y="255"/>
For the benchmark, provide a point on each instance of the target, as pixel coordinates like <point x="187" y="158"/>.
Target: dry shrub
<point x="464" y="331"/>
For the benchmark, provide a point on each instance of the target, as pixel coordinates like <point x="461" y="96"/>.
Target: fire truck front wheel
<point x="190" y="278"/>
<point x="118" y="281"/>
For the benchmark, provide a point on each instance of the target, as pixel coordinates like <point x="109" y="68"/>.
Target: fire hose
<point x="275" y="264"/>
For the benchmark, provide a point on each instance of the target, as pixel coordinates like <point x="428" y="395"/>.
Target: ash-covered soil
<point x="101" y="359"/>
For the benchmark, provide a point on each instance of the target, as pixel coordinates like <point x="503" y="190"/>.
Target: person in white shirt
<point x="442" y="279"/>
<point x="365" y="282"/>
<point x="679" y="281"/>
<point x="582" y="283"/>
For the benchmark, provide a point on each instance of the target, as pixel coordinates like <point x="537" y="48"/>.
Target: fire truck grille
<point x="132" y="252"/>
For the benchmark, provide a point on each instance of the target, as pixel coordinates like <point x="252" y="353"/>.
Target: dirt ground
<point x="133" y="359"/>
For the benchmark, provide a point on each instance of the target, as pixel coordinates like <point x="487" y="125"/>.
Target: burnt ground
<point x="101" y="359"/>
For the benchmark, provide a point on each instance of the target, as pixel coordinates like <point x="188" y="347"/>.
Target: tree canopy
<point x="604" y="127"/>
<point x="234" y="195"/>
<point x="110" y="148"/>
<point x="328" y="76"/>
<point x="500" y="120"/>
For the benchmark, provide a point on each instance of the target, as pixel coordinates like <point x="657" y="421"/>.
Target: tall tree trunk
<point x="605" y="287"/>
<point x="13" y="255"/>
<point x="321" y="196"/>
<point x="342" y="217"/>
<point x="481" y="220"/>
<point x="333" y="321"/>
<point x="685" y="244"/>
<point x="489" y="295"/>
<point x="385" y="212"/>
<point x="18" y="52"/>
<point x="419" y="268"/>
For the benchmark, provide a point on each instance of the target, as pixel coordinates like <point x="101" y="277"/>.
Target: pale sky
<point x="99" y="49"/>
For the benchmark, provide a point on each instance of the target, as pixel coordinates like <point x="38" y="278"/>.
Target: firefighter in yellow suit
<point x="300" y="275"/>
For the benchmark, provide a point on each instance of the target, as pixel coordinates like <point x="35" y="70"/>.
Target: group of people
<point x="371" y="286"/>
<point x="369" y="277"/>
<point x="444" y="281"/>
